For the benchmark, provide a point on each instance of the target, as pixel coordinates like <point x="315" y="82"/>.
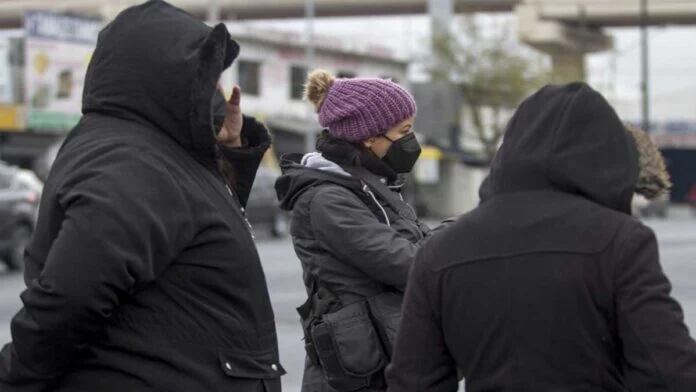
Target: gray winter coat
<point x="347" y="237"/>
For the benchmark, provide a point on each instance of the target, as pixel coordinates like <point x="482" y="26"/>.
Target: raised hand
<point x="231" y="132"/>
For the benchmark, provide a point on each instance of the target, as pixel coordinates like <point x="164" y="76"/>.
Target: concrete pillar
<point x="213" y="12"/>
<point x="567" y="66"/>
<point x="566" y="44"/>
<point x="441" y="12"/>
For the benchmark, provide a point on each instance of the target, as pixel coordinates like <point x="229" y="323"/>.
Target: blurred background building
<point x="468" y="62"/>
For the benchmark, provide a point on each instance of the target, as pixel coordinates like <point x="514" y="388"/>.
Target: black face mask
<point x="218" y="109"/>
<point x="403" y="153"/>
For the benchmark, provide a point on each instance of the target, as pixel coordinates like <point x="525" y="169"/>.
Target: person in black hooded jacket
<point x="550" y="284"/>
<point x="143" y="274"/>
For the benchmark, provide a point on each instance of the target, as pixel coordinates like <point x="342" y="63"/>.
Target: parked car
<point x="43" y="163"/>
<point x="645" y="208"/>
<point x="262" y="208"/>
<point x="20" y="193"/>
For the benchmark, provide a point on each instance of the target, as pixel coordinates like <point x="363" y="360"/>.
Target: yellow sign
<point x="427" y="170"/>
<point x="430" y="152"/>
<point x="41" y="62"/>
<point x="12" y="118"/>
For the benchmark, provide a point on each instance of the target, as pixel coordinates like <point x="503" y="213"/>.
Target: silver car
<point x="20" y="193"/>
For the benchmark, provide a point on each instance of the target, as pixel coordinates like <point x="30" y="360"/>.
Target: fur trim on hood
<point x="653" y="180"/>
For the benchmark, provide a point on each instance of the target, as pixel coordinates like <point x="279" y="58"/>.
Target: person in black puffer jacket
<point x="354" y="235"/>
<point x="142" y="274"/>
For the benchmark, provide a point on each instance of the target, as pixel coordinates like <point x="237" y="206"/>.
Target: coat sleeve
<point x="123" y="220"/>
<point x="658" y="352"/>
<point x="350" y="231"/>
<point x="421" y="359"/>
<point x="244" y="161"/>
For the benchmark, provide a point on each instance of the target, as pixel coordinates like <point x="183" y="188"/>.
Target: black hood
<point x="297" y="178"/>
<point x="566" y="138"/>
<point x="157" y="65"/>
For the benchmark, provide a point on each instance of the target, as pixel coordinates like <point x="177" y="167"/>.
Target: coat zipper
<point x="244" y="214"/>
<point x="212" y="168"/>
<point x="367" y="190"/>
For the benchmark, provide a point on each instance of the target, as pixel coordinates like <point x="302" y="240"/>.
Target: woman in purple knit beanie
<point x="369" y="111"/>
<point x="354" y="235"/>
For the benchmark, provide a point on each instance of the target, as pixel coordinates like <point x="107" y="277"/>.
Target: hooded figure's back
<point x="143" y="274"/>
<point x="550" y="284"/>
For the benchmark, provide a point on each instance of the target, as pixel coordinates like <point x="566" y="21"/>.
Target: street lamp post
<point x="440" y="12"/>
<point x="213" y="11"/>
<point x="310" y="137"/>
<point x="645" y="65"/>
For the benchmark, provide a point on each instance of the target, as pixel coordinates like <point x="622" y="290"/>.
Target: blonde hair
<point x="653" y="180"/>
<point x="317" y="86"/>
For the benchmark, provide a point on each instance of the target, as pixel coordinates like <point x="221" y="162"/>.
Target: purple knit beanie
<point x="359" y="108"/>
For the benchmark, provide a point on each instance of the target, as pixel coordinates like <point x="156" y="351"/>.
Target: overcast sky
<point x="673" y="58"/>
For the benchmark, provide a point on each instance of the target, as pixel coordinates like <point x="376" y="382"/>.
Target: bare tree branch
<point x="491" y="72"/>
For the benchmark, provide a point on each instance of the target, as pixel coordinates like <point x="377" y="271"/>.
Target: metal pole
<point x="310" y="139"/>
<point x="440" y="12"/>
<point x="645" y="65"/>
<point x="213" y="11"/>
<point x="309" y="26"/>
<point x="583" y="27"/>
<point x="613" y="73"/>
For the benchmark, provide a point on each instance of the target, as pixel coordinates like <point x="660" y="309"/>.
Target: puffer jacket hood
<point x="316" y="160"/>
<point x="298" y="178"/>
<point x="566" y="138"/>
<point x="156" y="64"/>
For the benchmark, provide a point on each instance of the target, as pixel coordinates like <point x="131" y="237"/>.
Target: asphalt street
<point x="677" y="237"/>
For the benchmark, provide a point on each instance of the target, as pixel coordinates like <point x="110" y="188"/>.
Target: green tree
<point x="492" y="72"/>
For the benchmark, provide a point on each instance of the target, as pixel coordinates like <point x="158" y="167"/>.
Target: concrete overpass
<point x="598" y="13"/>
<point x="615" y="13"/>
<point x="569" y="29"/>
<point x="11" y="10"/>
<point x="565" y="29"/>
